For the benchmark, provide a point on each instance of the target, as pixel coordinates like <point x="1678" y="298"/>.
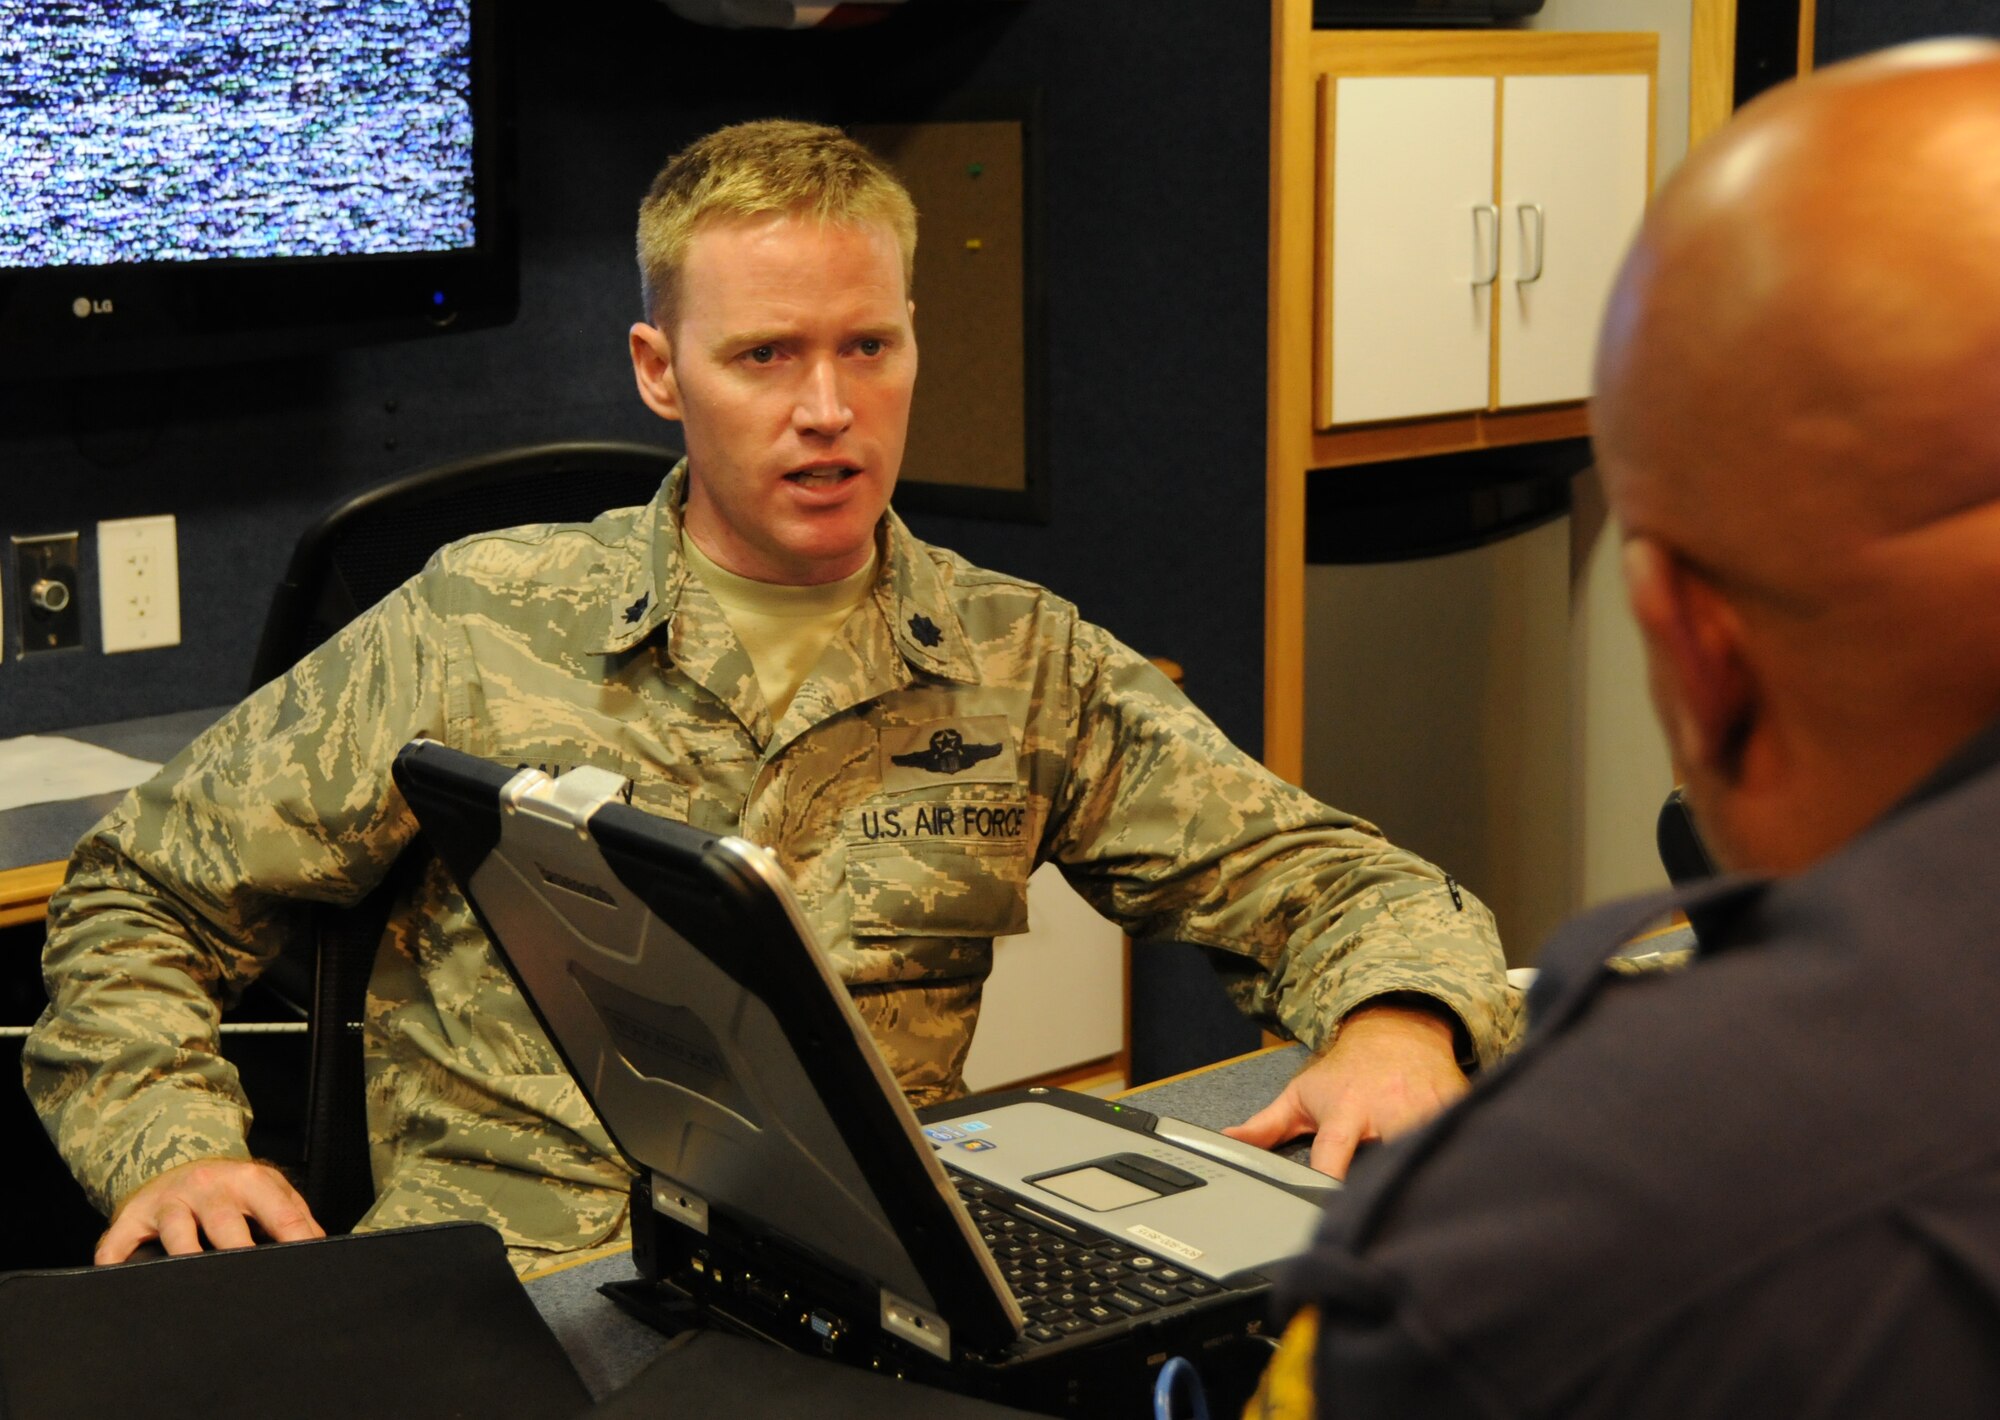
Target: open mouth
<point x="826" y="477"/>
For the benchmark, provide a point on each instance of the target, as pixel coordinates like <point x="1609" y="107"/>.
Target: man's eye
<point x="764" y="354"/>
<point x="871" y="346"/>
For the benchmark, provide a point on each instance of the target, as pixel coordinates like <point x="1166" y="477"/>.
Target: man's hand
<point x="216" y="1198"/>
<point x="1390" y="1069"/>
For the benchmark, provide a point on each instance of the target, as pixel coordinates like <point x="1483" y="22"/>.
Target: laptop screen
<point x="676" y="976"/>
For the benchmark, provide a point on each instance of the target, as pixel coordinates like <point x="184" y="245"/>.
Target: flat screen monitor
<point x="188" y="180"/>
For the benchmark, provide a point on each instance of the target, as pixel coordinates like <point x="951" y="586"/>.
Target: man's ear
<point x="1702" y="684"/>
<point x="653" y="370"/>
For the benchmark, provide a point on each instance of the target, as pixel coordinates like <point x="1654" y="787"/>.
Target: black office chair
<point x="372" y="543"/>
<point x="347" y="561"/>
<point x="1682" y="853"/>
<point x="1686" y="859"/>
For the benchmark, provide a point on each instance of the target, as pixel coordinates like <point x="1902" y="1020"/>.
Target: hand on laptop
<point x="219" y="1199"/>
<point x="1390" y="1069"/>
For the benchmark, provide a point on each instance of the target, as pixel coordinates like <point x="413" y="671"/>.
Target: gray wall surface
<point x="1439" y="698"/>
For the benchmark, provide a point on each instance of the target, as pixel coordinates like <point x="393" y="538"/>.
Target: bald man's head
<point x="1798" y="422"/>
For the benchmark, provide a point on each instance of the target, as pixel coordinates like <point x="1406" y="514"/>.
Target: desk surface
<point x="610" y="1347"/>
<point x="35" y="840"/>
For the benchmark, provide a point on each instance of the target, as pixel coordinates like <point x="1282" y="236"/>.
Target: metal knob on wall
<point x="49" y="595"/>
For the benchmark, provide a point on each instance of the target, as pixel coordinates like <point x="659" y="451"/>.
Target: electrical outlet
<point x="139" y="583"/>
<point x="46" y="595"/>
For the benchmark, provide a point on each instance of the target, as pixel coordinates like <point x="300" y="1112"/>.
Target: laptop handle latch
<point x="681" y="1204"/>
<point x="569" y="800"/>
<point x="925" y="1330"/>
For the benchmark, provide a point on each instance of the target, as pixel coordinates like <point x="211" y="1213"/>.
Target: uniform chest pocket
<point x="658" y="796"/>
<point x="943" y="868"/>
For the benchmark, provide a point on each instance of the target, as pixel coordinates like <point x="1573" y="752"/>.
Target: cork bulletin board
<point x="976" y="421"/>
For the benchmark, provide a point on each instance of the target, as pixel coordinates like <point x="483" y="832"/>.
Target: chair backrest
<point x="1685" y="857"/>
<point x="346" y="562"/>
<point x="336" y="1177"/>
<point x="1682" y="853"/>
<point x="366" y="547"/>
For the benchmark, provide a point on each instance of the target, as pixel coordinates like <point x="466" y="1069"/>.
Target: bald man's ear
<point x="1702" y="685"/>
<point x="653" y="370"/>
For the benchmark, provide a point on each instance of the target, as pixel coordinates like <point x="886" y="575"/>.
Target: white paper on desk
<point x="45" y="769"/>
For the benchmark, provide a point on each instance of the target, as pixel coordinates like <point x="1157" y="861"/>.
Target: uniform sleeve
<point x="1173" y="832"/>
<point x="176" y="900"/>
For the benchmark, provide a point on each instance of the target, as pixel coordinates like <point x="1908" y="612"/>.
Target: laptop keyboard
<point x="1071" y="1279"/>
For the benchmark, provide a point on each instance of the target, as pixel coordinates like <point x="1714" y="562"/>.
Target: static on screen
<point x="194" y="130"/>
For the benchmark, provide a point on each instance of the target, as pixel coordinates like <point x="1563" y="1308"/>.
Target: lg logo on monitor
<point x="83" y="307"/>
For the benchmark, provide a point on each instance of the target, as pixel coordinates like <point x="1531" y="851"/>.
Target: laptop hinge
<point x="924" y="1330"/>
<point x="681" y="1204"/>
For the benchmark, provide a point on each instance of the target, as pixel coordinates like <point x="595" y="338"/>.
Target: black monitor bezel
<point x="163" y="315"/>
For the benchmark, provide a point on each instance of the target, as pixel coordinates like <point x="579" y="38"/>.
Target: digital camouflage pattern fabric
<point x="962" y="727"/>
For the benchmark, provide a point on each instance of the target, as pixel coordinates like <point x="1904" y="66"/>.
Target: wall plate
<point x="47" y="593"/>
<point x="138" y="583"/>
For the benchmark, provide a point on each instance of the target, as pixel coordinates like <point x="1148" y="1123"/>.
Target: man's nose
<point x="822" y="406"/>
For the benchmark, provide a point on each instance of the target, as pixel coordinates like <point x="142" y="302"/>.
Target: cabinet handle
<point x="1523" y="211"/>
<point x="1486" y="244"/>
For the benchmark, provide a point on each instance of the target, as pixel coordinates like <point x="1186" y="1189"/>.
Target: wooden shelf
<point x="1500" y="52"/>
<point x="25" y="892"/>
<point x="1419" y="438"/>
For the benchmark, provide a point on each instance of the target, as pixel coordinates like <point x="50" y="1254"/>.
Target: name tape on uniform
<point x="970" y="822"/>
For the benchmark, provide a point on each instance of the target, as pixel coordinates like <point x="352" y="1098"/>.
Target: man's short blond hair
<point x="768" y="167"/>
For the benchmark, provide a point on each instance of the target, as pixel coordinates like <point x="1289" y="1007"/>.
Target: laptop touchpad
<point x="1116" y="1182"/>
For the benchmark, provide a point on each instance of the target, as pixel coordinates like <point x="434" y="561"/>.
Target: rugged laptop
<point x="1040" y="1247"/>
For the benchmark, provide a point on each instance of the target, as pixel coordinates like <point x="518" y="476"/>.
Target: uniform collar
<point x="912" y="595"/>
<point x="917" y="604"/>
<point x="649" y="584"/>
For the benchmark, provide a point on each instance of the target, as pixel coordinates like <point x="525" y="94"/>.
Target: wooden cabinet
<point x="1483" y="129"/>
<point x="1470" y="223"/>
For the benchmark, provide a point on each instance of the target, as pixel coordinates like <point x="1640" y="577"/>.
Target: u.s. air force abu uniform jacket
<point x="962" y="727"/>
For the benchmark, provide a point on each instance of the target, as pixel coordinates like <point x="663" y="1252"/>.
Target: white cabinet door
<point x="1572" y="190"/>
<point x="1056" y="997"/>
<point x="1413" y="247"/>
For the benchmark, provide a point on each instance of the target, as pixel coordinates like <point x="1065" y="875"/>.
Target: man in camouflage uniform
<point x="949" y="730"/>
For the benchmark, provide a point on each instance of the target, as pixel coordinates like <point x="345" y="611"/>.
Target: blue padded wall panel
<point x="1845" y="28"/>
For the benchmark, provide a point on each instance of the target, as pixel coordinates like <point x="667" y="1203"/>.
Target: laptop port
<point x="827" y="1327"/>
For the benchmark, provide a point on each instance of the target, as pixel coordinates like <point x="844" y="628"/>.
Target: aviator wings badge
<point x="948" y="754"/>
